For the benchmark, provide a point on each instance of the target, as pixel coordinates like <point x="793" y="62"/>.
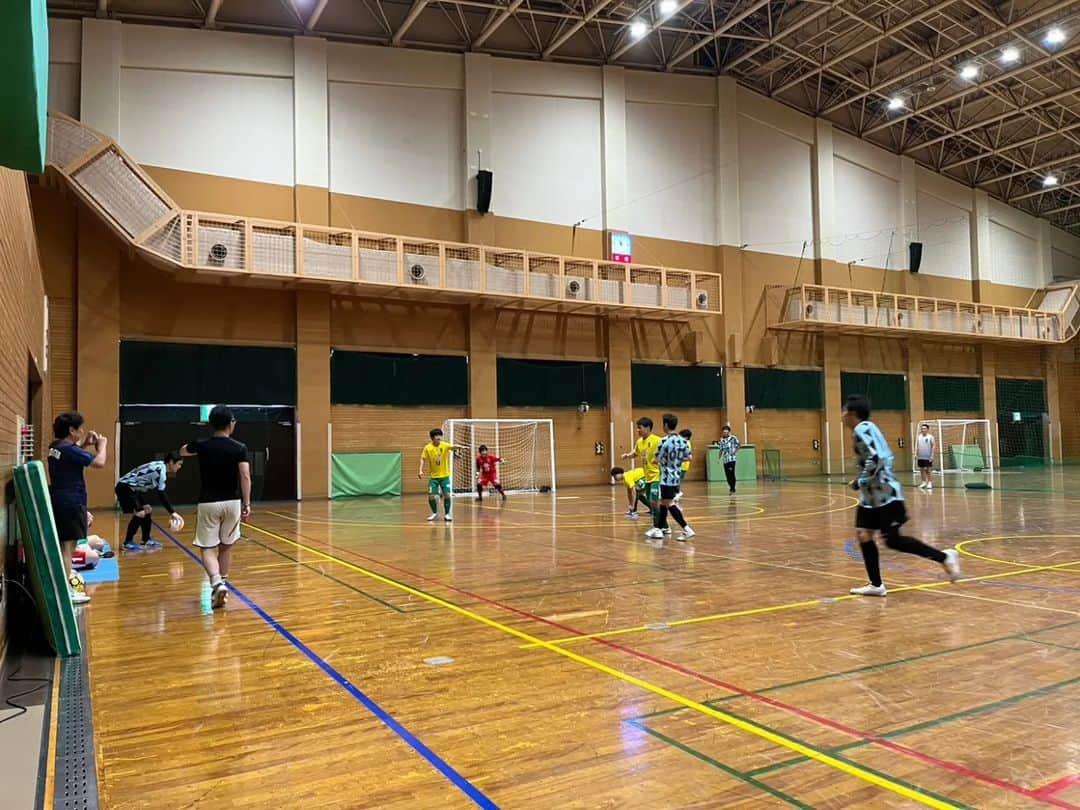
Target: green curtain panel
<point x="357" y="474"/>
<point x="655" y="385"/>
<point x="551" y="383"/>
<point x="952" y="394"/>
<point x="165" y="373"/>
<point x="887" y="392"/>
<point x="375" y="378"/>
<point x="24" y="91"/>
<point x="783" y="389"/>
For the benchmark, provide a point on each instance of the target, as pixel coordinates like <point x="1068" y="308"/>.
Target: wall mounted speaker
<point x="483" y="191"/>
<point x="914" y="256"/>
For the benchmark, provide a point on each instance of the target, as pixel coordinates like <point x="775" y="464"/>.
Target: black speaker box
<point x="483" y="191"/>
<point x="914" y="256"/>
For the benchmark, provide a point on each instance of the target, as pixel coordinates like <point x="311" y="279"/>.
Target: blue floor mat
<point x="105" y="571"/>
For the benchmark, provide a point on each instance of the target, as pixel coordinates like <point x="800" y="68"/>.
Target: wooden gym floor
<point x="590" y="669"/>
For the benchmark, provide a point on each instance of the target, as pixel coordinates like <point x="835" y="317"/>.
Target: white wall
<point x="1065" y="254"/>
<point x="1065" y="265"/>
<point x="546" y="158"/>
<point x="1014" y="257"/>
<point x="397" y="143"/>
<point x="945" y="231"/>
<point x="774" y="189"/>
<point x="670" y="171"/>
<point x="867" y="230"/>
<point x="65" y="45"/>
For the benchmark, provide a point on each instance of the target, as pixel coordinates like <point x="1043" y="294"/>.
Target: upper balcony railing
<point x="268" y="251"/>
<point x="815" y="307"/>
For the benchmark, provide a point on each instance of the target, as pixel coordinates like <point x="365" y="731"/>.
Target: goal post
<point x="526" y="446"/>
<point x="960" y="445"/>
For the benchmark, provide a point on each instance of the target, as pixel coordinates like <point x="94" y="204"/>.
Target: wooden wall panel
<point x="793" y="434"/>
<point x="1019" y="361"/>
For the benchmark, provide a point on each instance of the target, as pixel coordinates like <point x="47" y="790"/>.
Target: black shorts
<point x="70" y="523"/>
<point x="129" y="500"/>
<point x="925" y="462"/>
<point x="668" y="493"/>
<point x="891" y="515"/>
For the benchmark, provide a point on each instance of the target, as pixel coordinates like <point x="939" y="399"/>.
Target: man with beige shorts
<point x="223" y="468"/>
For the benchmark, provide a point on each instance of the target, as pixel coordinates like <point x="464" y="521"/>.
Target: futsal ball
<point x="176" y="523"/>
<point x="76" y="582"/>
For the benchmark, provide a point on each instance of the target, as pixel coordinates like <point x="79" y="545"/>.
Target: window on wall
<point x="658" y="385"/>
<point x="785" y="389"/>
<point x="551" y="383"/>
<point x="886" y="392"/>
<point x="178" y="373"/>
<point x="952" y="394"/>
<point x="377" y="378"/>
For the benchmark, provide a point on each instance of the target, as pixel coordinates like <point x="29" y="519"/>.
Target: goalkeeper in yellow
<point x="437" y="454"/>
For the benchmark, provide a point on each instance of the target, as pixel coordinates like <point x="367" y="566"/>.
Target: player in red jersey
<point x="488" y="473"/>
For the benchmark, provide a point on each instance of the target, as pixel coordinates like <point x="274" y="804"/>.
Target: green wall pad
<point x="356" y="474"/>
<point x="24" y="91"/>
<point x="47" y="574"/>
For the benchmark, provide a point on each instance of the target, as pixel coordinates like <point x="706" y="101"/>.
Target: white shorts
<point x="218" y="524"/>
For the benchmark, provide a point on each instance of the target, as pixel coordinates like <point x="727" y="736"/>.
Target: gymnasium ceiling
<point x="1004" y="129"/>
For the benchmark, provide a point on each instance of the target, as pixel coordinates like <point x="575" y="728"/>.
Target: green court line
<point x="721" y="766"/>
<point x="1052" y="644"/>
<point x="750" y="774"/>
<point x="937" y="721"/>
<point x="873" y="667"/>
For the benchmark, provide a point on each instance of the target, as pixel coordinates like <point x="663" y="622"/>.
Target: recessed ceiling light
<point x="638" y="29"/>
<point x="668" y="7"/>
<point x="969" y="72"/>
<point x="1010" y="55"/>
<point x="1050" y="180"/>
<point x="895" y="103"/>
<point x="1055" y="36"/>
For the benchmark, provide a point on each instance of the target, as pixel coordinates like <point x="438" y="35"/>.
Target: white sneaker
<point x="79" y="597"/>
<point x="870" y="590"/>
<point x="952" y="564"/>
<point x="666" y="531"/>
<point x="433" y="516"/>
<point x="929" y="487"/>
<point x="686" y="534"/>
<point x="448" y="518"/>
<point x="655" y="534"/>
<point x="922" y="485"/>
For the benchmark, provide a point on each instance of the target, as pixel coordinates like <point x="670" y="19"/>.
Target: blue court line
<point x="849" y="547"/>
<point x="463" y="784"/>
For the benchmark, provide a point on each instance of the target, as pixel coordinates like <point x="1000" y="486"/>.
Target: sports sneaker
<point x="433" y="516"/>
<point x="448" y="518"/>
<point x="686" y="534"/>
<point x="132" y="546"/>
<point x="870" y="590"/>
<point x="666" y="530"/>
<point x="929" y="487"/>
<point x="79" y="597"/>
<point x="655" y="534"/>
<point x="633" y="515"/>
<point x="151" y="544"/>
<point x="630" y="513"/>
<point x="504" y="497"/>
<point x="218" y="596"/>
<point x="952" y="564"/>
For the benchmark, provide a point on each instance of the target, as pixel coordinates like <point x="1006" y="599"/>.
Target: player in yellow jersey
<point x="437" y="454"/>
<point x="685" y="471"/>
<point x="645" y="451"/>
<point x="635" y="487"/>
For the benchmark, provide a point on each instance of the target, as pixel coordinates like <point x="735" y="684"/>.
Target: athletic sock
<point x="676" y="513"/>
<point x="870" y="560"/>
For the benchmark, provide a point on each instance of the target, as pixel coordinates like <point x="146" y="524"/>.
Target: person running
<point x="881" y="501"/>
<point x="437" y="454"/>
<point x="131" y="492"/>
<point x="729" y="447"/>
<point x="73" y="450"/>
<point x="487" y="473"/>
<point x="670" y="455"/>
<point x="685" y="470"/>
<point x="224" y="498"/>
<point x="924" y="455"/>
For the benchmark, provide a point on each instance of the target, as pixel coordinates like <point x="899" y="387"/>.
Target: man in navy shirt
<point x="72" y="451"/>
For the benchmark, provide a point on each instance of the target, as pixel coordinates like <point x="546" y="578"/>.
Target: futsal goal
<point x="960" y="445"/>
<point x="526" y="447"/>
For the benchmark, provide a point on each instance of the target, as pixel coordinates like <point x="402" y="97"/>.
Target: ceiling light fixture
<point x="1010" y="55"/>
<point x="667" y="7"/>
<point x="1055" y="36"/>
<point x="1049" y="181"/>
<point x="969" y="72"/>
<point x="638" y="29"/>
<point x="895" y="103"/>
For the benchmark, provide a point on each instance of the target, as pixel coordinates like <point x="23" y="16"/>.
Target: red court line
<point x="926" y="759"/>
<point x="1058" y="786"/>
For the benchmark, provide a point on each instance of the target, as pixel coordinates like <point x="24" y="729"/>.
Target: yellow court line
<point x="848" y="768"/>
<point x="960" y="546"/>
<point x="808" y="603"/>
<point x="1006" y="602"/>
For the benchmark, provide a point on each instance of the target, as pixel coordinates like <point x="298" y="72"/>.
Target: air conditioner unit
<point x="218" y="253"/>
<point x="702" y="300"/>
<point x="417" y="272"/>
<point x="573" y="287"/>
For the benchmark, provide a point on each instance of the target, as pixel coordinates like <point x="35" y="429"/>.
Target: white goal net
<point x="526" y="447"/>
<point x="960" y="445"/>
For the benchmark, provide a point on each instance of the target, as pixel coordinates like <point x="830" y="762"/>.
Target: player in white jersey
<point x="924" y="455"/>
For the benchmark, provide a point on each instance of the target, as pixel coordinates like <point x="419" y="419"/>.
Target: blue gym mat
<point x="106" y="571"/>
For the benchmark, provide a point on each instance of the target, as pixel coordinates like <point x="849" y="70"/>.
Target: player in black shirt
<point x="224" y="497"/>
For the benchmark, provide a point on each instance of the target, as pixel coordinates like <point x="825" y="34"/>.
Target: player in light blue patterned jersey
<point x="881" y="501"/>
<point x="670" y="455"/>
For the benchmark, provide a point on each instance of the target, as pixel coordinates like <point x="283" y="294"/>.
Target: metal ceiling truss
<point x="1004" y="130"/>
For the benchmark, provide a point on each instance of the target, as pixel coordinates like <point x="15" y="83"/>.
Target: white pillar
<point x="981" y="260"/>
<point x="824" y="190"/>
<point x="909" y="215"/>
<point x="728" y="213"/>
<point x="310" y="118"/>
<point x="478" y="152"/>
<point x="100" y="76"/>
<point x="1046" y="252"/>
<point x="613" y="149"/>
